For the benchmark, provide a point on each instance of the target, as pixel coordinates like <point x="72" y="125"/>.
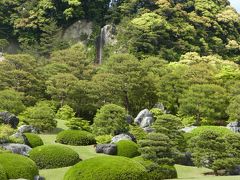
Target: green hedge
<point x="33" y="140"/>
<point x="17" y="166"/>
<point x="127" y="148"/>
<point x="3" y="175"/>
<point x="107" y="168"/>
<point x="53" y="156"/>
<point x="76" y="138"/>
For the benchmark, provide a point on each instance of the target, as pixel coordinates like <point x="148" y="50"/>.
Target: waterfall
<point x="100" y="45"/>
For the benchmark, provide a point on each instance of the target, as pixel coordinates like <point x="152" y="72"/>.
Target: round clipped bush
<point x="127" y="148"/>
<point x="3" y="175"/>
<point x="107" y="168"/>
<point x="17" y="166"/>
<point x="162" y="172"/>
<point x="33" y="140"/>
<point x="222" y="131"/>
<point x="53" y="156"/>
<point x="76" y="138"/>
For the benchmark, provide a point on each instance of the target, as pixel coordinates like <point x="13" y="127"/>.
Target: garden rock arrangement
<point x="27" y="129"/>
<point x="110" y="149"/>
<point x="17" y="148"/>
<point x="234" y="126"/>
<point x="144" y="118"/>
<point x="8" y="118"/>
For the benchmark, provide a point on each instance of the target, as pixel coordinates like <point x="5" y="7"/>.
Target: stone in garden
<point x="17" y="148"/>
<point x="144" y="118"/>
<point x="8" y="118"/>
<point x="234" y="126"/>
<point x="235" y="171"/>
<point x="110" y="149"/>
<point x="120" y="137"/>
<point x="129" y="119"/>
<point x="27" y="129"/>
<point x="21" y="137"/>
<point x="39" y="177"/>
<point x="148" y="129"/>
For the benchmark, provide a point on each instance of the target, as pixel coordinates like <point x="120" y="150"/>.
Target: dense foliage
<point x="33" y="140"/>
<point x="3" y="175"/>
<point x="127" y="148"/>
<point x="214" y="150"/>
<point x="75" y="137"/>
<point x="106" y="167"/>
<point x="17" y="166"/>
<point x="41" y="116"/>
<point x="110" y="119"/>
<point x="53" y="156"/>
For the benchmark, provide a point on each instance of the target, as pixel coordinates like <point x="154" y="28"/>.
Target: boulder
<point x="17" y="148"/>
<point x="27" y="129"/>
<point x="234" y="126"/>
<point x="235" y="171"/>
<point x="144" y="118"/>
<point x="188" y="129"/>
<point x="110" y="149"/>
<point x="8" y="118"/>
<point x="120" y="137"/>
<point x="21" y="137"/>
<point x="108" y="33"/>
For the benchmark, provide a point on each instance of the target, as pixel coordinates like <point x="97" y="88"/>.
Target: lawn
<point x="86" y="152"/>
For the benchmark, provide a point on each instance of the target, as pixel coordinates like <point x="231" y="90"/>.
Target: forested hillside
<point x="94" y="65"/>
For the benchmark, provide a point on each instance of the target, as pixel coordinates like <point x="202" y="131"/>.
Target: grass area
<point x="54" y="174"/>
<point x="86" y="152"/>
<point x="188" y="172"/>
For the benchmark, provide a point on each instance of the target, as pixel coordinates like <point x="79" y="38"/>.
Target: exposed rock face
<point x="107" y="36"/>
<point x="17" y="148"/>
<point x="120" y="137"/>
<point x="188" y="129"/>
<point x="144" y="118"/>
<point x="110" y="149"/>
<point x="8" y="118"/>
<point x="80" y="31"/>
<point x="234" y="126"/>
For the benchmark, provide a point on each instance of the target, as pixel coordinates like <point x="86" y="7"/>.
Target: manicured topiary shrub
<point x="107" y="168"/>
<point x="3" y="175"/>
<point x="33" y="140"/>
<point x="155" y="171"/>
<point x="17" y="166"/>
<point x="162" y="172"/>
<point x="76" y="138"/>
<point x="53" y="156"/>
<point x="127" y="148"/>
<point x="223" y="131"/>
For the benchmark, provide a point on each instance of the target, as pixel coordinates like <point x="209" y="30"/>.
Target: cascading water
<point x="100" y="45"/>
